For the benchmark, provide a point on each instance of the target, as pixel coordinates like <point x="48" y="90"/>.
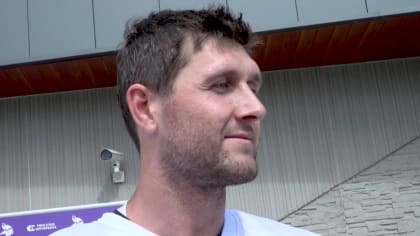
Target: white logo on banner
<point x="40" y="227"/>
<point x="76" y="220"/>
<point x="7" y="230"/>
<point x="30" y="228"/>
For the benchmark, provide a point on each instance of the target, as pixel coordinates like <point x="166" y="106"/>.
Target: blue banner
<point x="45" y="222"/>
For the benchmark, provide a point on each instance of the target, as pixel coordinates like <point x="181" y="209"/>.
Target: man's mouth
<point x="243" y="136"/>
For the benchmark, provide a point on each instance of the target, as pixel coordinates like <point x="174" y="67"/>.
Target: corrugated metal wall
<point x="50" y="150"/>
<point x="323" y="126"/>
<point x="326" y="124"/>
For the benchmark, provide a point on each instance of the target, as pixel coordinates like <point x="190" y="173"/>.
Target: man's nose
<point x="249" y="106"/>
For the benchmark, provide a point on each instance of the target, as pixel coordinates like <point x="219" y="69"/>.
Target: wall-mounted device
<point x="118" y="175"/>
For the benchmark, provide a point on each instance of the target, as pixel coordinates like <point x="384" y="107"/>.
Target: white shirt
<point x="237" y="223"/>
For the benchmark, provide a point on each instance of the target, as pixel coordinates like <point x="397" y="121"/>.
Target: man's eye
<point x="221" y="86"/>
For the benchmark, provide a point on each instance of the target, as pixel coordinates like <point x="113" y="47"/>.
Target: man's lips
<point x="244" y="136"/>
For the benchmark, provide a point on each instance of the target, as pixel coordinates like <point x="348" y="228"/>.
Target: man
<point x="187" y="89"/>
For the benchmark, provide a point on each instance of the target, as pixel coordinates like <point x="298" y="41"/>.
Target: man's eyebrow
<point x="221" y="73"/>
<point x="254" y="77"/>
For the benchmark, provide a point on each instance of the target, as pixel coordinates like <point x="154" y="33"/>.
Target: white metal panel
<point x="59" y="28"/>
<point x="189" y="4"/>
<point x="266" y="15"/>
<point x="74" y="128"/>
<point x="322" y="11"/>
<point x="14" y="171"/>
<point x="414" y="76"/>
<point x="384" y="7"/>
<point x="14" y="30"/>
<point x="111" y="16"/>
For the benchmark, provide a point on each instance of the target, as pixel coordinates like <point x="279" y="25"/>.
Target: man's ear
<point x="140" y="101"/>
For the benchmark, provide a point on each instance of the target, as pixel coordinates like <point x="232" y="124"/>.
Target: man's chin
<point x="243" y="180"/>
<point x="241" y="174"/>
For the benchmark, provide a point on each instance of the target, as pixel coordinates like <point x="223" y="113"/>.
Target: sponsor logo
<point x="7" y="230"/>
<point x="76" y="220"/>
<point x="41" y="227"/>
<point x="30" y="228"/>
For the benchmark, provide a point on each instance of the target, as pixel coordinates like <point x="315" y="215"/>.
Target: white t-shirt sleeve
<point x="239" y="223"/>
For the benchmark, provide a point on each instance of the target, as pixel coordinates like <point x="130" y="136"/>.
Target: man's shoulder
<point x="252" y="224"/>
<point x="108" y="224"/>
<point x="93" y="228"/>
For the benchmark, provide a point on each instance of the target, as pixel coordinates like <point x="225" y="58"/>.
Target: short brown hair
<point x="151" y="53"/>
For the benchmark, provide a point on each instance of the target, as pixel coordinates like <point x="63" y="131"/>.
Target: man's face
<point x="210" y="123"/>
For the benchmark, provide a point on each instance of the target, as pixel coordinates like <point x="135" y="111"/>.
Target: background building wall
<point x="323" y="126"/>
<point x="383" y="200"/>
<point x="33" y="30"/>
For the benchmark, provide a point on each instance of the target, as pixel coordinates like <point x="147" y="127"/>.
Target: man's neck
<point x="172" y="207"/>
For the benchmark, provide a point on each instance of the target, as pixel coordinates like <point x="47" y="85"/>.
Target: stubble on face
<point x="193" y="153"/>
